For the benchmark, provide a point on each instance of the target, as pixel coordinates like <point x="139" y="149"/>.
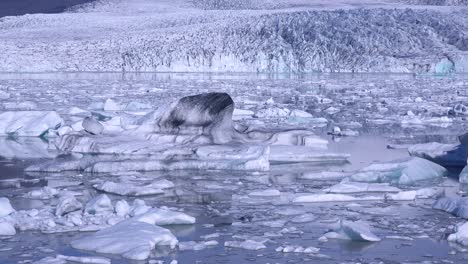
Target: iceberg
<point x="131" y="239"/>
<point x="28" y="123"/>
<point x="400" y="172"/>
<point x="455" y="155"/>
<point x="457" y="206"/>
<point x="463" y="178"/>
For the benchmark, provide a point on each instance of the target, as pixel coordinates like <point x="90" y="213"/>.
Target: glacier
<point x="262" y="36"/>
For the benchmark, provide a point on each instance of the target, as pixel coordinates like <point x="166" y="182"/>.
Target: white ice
<point x="400" y="172"/>
<point x="5" y="207"/>
<point x="131" y="239"/>
<point x="28" y="123"/>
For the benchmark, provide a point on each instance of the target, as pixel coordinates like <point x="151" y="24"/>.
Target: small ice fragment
<point x="191" y="245"/>
<point x="358" y="231"/>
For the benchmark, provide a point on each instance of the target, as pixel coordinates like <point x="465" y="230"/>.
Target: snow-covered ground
<point x="307" y="204"/>
<point x="240" y="36"/>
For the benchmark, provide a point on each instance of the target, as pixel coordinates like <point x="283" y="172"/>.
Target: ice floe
<point x="132" y="239"/>
<point x="28" y="123"/>
<point x="400" y="172"/>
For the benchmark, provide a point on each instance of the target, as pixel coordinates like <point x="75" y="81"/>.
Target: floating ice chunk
<point x="67" y="204"/>
<point x="247" y="244"/>
<point x="131" y="239"/>
<point x="7" y="229"/>
<point x="461" y="235"/>
<point x="414" y="194"/>
<point x="404" y="172"/>
<point x="265" y="193"/>
<point x="463" y="178"/>
<point x="457" y="206"/>
<point x="111" y="105"/>
<point x="305" y="154"/>
<point x="50" y="260"/>
<point x="28" y="123"/>
<point x="357" y="187"/>
<point x="43" y="193"/>
<point x="444" y="154"/>
<point x="356" y="231"/>
<point x="193" y="245"/>
<point x="128" y="189"/>
<point x="99" y="204"/>
<point x="165" y="217"/>
<point x="239" y="114"/>
<point x="330" y="197"/>
<point x="92" y="126"/>
<point x="87" y="260"/>
<point x="122" y="208"/>
<point x="297" y="249"/>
